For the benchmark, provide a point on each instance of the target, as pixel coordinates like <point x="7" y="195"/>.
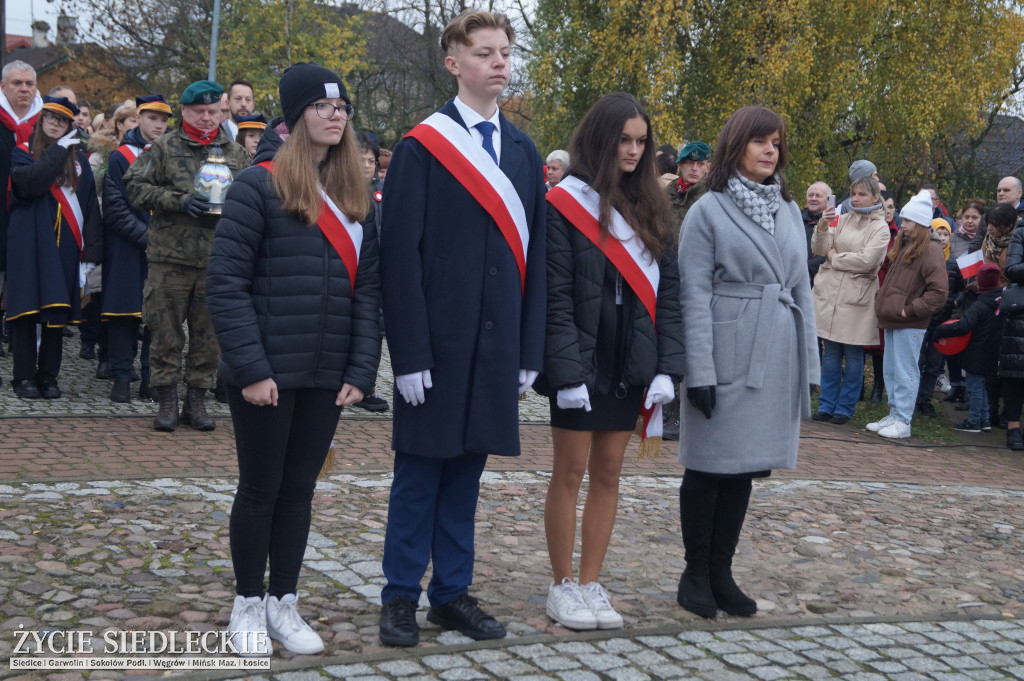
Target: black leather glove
<point x="702" y="398"/>
<point x="196" y="206"/>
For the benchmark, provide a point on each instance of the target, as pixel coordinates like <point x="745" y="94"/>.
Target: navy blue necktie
<point x="486" y="129"/>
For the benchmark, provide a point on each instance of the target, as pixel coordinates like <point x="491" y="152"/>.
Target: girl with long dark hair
<point x="294" y="293"/>
<point x="55" y="236"/>
<point x="614" y="337"/>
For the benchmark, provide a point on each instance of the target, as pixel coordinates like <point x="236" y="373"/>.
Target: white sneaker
<point x="942" y="383"/>
<point x="567" y="607"/>
<point x="247" y="628"/>
<point x="597" y="598"/>
<point x="881" y="423"/>
<point x="895" y="430"/>
<point x="284" y="624"/>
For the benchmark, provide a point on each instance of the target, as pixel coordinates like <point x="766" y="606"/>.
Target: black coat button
<point x="493" y="271"/>
<point x="488" y="325"/>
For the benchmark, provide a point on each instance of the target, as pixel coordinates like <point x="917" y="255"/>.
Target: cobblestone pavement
<point x="873" y="560"/>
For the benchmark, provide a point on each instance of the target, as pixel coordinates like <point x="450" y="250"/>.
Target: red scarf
<point x="682" y="186"/>
<point x="204" y="138"/>
<point x="21" y="130"/>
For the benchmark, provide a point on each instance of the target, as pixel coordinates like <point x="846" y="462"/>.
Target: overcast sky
<point x="21" y="14"/>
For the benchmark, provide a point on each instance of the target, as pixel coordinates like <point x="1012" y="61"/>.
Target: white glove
<point x="526" y="379"/>
<point x="414" y="386"/>
<point x="661" y="391"/>
<point x="69" y="139"/>
<point x="574" y="398"/>
<point x="84" y="268"/>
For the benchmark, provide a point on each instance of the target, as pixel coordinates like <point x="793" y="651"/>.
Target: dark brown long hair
<point x="40" y="142"/>
<point x="743" y="126"/>
<point x="638" y="196"/>
<point x="910" y="246"/>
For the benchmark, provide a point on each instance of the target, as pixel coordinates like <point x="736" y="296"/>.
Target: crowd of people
<point x="493" y="274"/>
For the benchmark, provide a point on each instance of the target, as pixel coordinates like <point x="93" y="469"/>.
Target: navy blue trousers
<point x="431" y="516"/>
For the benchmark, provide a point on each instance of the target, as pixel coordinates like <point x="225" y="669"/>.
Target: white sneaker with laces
<point x="942" y="383"/>
<point x="247" y="628"/>
<point x="896" y="430"/>
<point x="284" y="624"/>
<point x="567" y="607"/>
<point x="881" y="423"/>
<point x="597" y="598"/>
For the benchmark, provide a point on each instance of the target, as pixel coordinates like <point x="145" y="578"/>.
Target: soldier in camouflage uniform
<point x="162" y="180"/>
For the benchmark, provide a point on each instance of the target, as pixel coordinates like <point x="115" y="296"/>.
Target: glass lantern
<point x="213" y="180"/>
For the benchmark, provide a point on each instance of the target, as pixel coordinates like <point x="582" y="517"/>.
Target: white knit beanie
<point x="919" y="209"/>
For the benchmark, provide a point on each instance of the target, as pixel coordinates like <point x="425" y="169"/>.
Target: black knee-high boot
<point x="697" y="497"/>
<point x="730" y="510"/>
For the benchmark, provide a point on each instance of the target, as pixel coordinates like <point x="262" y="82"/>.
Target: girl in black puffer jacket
<point x="294" y="294"/>
<point x="614" y="331"/>
<point x="1011" y="350"/>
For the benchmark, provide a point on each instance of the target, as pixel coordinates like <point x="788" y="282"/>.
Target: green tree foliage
<point x="907" y="83"/>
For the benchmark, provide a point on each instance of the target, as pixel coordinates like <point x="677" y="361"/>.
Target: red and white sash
<point x="129" y="152"/>
<point x="344" y="234"/>
<point x="580" y="204"/>
<point x="473" y="168"/>
<point x="70" y="208"/>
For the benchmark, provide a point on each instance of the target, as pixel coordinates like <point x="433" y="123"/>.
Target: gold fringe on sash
<point x="56" y="225"/>
<point x="650" y="447"/>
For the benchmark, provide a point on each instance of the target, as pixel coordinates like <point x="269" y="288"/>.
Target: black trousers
<point x="91" y="330"/>
<point x="930" y="362"/>
<point x="280" y="452"/>
<point x="30" y="365"/>
<point x="1013" y="397"/>
<point x="123" y="344"/>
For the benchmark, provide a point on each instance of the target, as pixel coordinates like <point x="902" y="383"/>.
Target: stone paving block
<point x="920" y="627"/>
<point x="813" y="672"/>
<point x="984" y="675"/>
<point x="844" y="666"/>
<point x="762" y="647"/>
<point x="555" y="663"/>
<point x="723" y="647"/>
<point x="532" y="677"/>
<point x="851" y="630"/>
<point x="836" y="642"/>
<point x="725" y="675"/>
<point x="873" y="641"/>
<point x="812" y="632"/>
<point x="1011" y="647"/>
<point x="884" y="629"/>
<point x="775" y="634"/>
<point x="706" y="665"/>
<point x="736" y="636"/>
<point x="627" y="674"/>
<point x="506" y="668"/>
<point x="400" y="667"/>
<point x="900" y="653"/>
<point x="785" y="658"/>
<point x="797" y="645"/>
<point x="944" y="636"/>
<point x="696" y="636"/>
<point x="463" y="674"/>
<point x="657" y="641"/>
<point x="771" y="673"/>
<point x="440" y="662"/>
<point x="486" y="655"/>
<point x="579" y="675"/>
<point x="367" y="678"/>
<point x="685" y="652"/>
<point x="909" y="676"/>
<point x="823" y="655"/>
<point x="299" y="676"/>
<point x="960" y="627"/>
<point x="969" y="647"/>
<point x="601" y="661"/>
<point x="744" y="660"/>
<point x="646" y="658"/>
<point x="961" y="662"/>
<point x="574" y="647"/>
<point x="422" y="677"/>
<point x="887" y="666"/>
<point x="936" y="649"/>
<point x="668" y="671"/>
<point x="909" y="639"/>
<point x="531" y="651"/>
<point x="618" y="646"/>
<point x="929" y="665"/>
<point x="978" y="634"/>
<point x="1013" y="633"/>
<point x="996" y="625"/>
<point x="858" y="654"/>
<point x="864" y="676"/>
<point x="1017" y="671"/>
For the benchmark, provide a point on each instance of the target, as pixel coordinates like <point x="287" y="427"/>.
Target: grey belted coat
<point x="748" y="326"/>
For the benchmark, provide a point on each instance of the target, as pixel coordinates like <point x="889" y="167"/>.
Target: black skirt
<point x="608" y="412"/>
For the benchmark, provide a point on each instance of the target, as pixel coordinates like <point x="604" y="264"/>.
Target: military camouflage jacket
<point x="160" y="180"/>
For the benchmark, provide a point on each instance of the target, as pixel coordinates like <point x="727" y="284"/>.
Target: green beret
<point x="202" y="92"/>
<point x="694" y="151"/>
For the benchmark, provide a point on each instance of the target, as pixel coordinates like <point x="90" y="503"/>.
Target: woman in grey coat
<point x="751" y="350"/>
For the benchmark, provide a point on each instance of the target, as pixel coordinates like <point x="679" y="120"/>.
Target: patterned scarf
<point x="759" y="202"/>
<point x="993" y="247"/>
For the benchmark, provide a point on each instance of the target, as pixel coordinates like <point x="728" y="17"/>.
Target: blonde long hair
<point x="296" y="177"/>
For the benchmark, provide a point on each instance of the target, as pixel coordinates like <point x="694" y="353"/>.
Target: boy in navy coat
<point x="463" y="273"/>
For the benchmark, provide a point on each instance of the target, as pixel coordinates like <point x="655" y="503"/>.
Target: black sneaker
<point x="48" y="389"/>
<point x="821" y="416"/>
<point x="398" y="625"/>
<point x="372" y="402"/>
<point x="927" y="410"/>
<point x="968" y="426"/>
<point x="464" y="615"/>
<point x="26" y="390"/>
<point x="840" y="419"/>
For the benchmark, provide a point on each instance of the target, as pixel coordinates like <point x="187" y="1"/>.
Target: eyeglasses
<point x="326" y="110"/>
<point x="55" y="117"/>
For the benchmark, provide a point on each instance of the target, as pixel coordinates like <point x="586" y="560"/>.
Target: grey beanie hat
<point x="861" y="168"/>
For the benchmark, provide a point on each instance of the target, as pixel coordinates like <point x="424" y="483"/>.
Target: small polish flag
<point x="970" y="263"/>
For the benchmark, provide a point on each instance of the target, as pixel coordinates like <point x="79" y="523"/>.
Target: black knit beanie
<point x="302" y="84"/>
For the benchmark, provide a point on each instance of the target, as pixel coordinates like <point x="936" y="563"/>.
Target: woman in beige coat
<point x="844" y="296"/>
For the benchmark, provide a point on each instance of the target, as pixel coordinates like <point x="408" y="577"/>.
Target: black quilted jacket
<point x="281" y="299"/>
<point x="1011" y="350"/>
<point x="575" y="283"/>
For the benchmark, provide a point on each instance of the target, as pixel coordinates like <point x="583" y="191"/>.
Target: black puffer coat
<point x="982" y="353"/>
<point x="576" y="273"/>
<point x="281" y="298"/>
<point x="1011" y="350"/>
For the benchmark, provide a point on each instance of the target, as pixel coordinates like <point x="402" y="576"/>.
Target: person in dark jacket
<point x="981" y="357"/>
<point x="614" y="338"/>
<point x="125" y="234"/>
<point x="817" y="199"/>
<point x="1011" y="348"/>
<point x="54" y="240"/>
<point x="294" y="294"/>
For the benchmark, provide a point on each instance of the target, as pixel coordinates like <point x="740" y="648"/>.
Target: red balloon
<point x="953" y="345"/>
